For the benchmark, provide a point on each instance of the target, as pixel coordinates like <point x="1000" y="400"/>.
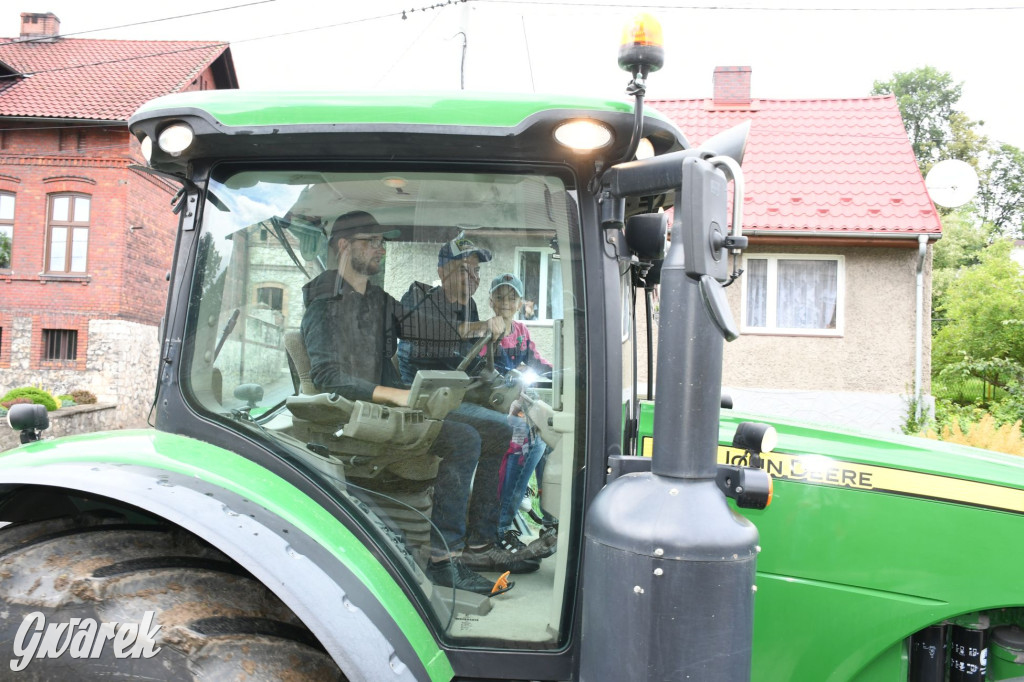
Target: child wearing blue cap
<point x="515" y="350"/>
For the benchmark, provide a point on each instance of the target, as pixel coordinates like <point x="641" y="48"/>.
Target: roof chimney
<point x="732" y="86"/>
<point x="43" y="28"/>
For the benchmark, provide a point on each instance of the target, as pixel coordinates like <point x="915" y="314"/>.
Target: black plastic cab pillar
<point x="669" y="567"/>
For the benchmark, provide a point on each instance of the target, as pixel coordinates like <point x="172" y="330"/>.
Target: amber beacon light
<point x="642" y="49"/>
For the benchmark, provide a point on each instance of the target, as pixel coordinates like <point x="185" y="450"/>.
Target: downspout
<point x="922" y="250"/>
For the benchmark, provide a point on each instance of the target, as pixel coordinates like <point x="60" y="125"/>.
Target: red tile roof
<point x="96" y="79"/>
<point x="828" y="166"/>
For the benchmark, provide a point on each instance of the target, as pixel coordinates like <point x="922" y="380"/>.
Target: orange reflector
<point x="771" y="491"/>
<point x="643" y="30"/>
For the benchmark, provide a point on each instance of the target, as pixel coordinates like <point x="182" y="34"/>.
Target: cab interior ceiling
<point x="421" y="198"/>
<point x="417" y="200"/>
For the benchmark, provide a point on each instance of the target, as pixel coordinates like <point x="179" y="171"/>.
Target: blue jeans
<point x="518" y="470"/>
<point x="458" y="446"/>
<point x="490" y="435"/>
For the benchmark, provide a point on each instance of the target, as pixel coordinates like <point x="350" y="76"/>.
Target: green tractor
<point x="270" y="526"/>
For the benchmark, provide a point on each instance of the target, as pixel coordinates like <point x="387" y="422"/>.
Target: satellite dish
<point x="951" y="183"/>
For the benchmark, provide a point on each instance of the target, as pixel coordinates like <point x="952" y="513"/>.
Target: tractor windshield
<point x="344" y="314"/>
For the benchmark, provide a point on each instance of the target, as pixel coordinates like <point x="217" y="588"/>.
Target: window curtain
<point x="757" y="292"/>
<point x="806" y="296"/>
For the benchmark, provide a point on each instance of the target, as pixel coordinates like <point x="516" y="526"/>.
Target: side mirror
<point x="731" y="143"/>
<point x="250" y="393"/>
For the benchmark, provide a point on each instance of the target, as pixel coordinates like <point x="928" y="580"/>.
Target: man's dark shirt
<point x="418" y="352"/>
<point x="350" y="337"/>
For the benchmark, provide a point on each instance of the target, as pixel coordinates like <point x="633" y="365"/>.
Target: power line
<point x="729" y="8"/>
<point x="407" y="49"/>
<point x="36" y="39"/>
<point x="403" y="14"/>
<point x="396" y="14"/>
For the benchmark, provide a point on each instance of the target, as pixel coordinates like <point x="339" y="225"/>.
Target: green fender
<point x="870" y="538"/>
<point x="271" y="528"/>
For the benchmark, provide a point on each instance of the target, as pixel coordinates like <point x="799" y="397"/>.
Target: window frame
<point x="206" y="321"/>
<point x="542" y="307"/>
<point x="270" y="288"/>
<point x="71" y="225"/>
<point x="66" y="338"/>
<point x="772" y="295"/>
<point x="9" y="224"/>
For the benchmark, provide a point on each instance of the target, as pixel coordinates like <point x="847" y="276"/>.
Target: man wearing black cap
<point x="351" y="328"/>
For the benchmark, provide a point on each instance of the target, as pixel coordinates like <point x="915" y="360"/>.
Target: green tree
<point x="985" y="307"/>
<point x="963" y="241"/>
<point x="927" y="100"/>
<point x="983" y="338"/>
<point x="5" y="251"/>
<point x="1001" y="194"/>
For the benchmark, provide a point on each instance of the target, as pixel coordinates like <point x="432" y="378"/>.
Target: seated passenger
<point x="516" y="351"/>
<point x="458" y="267"/>
<point x="350" y="329"/>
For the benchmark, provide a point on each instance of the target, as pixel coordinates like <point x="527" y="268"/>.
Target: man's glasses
<point x="374" y="242"/>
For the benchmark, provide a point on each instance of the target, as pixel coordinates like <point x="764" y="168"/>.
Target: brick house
<point x="834" y="306"/>
<point x="88" y="239"/>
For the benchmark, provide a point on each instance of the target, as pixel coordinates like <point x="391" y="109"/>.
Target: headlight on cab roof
<point x="146" y="145"/>
<point x="583" y="134"/>
<point x="176" y="138"/>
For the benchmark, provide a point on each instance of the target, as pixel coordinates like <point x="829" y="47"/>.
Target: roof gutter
<point x="774" y="237"/>
<point x="59" y="119"/>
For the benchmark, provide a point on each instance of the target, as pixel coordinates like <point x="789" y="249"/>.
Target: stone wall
<point x="67" y="421"/>
<point x="120" y="368"/>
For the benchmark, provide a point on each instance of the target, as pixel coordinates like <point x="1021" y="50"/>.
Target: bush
<point x="33" y="395"/>
<point x="66" y="400"/>
<point x="7" y="404"/>
<point x="83" y="397"/>
<point x="984" y="433"/>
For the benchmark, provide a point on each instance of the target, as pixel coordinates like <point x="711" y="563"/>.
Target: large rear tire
<point x="216" y="622"/>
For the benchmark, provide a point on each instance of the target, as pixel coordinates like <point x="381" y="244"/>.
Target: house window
<point x="539" y="270"/>
<point x="60" y="344"/>
<point x="271" y="297"/>
<point x="68" y="233"/>
<point x="793" y="294"/>
<point x="6" y="229"/>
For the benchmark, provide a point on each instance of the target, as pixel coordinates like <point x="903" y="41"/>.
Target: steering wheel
<point x="489" y="388"/>
<point x="484" y="340"/>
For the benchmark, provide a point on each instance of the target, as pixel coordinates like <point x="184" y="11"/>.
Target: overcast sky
<point x="836" y="50"/>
